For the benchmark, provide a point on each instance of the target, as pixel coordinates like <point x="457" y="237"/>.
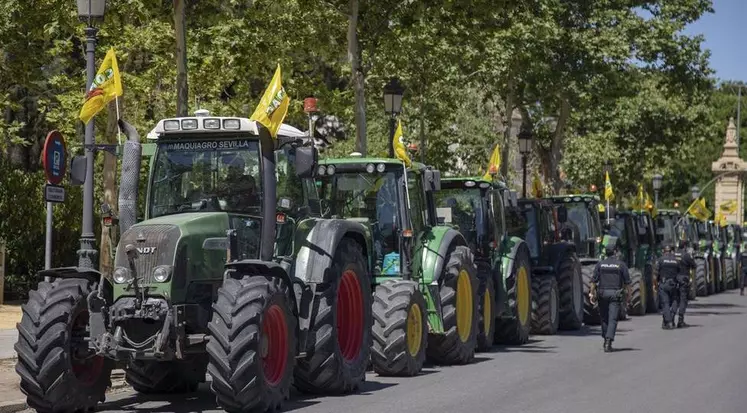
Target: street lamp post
<point x="89" y="11"/>
<point x="525" y="146"/>
<point x="393" y="92"/>
<point x="695" y="192"/>
<point x="657" y="186"/>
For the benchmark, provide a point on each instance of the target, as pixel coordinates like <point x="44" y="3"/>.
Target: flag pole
<point x="119" y="132"/>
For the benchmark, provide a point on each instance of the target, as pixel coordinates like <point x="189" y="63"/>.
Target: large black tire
<point x="54" y="321"/>
<point x="637" y="293"/>
<point x="243" y="313"/>
<point x="652" y="298"/>
<point x="701" y="282"/>
<point x="515" y="329"/>
<point x="571" y="293"/>
<point x="455" y="346"/>
<point x="398" y="309"/>
<point x="545" y="313"/>
<point x="340" y="333"/>
<point x="486" y="308"/>
<point x="715" y="275"/>
<point x="161" y="377"/>
<point x="591" y="311"/>
<point x="730" y="279"/>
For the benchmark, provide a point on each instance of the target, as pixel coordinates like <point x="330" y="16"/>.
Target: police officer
<point x="610" y="275"/>
<point x="683" y="283"/>
<point x="667" y="270"/>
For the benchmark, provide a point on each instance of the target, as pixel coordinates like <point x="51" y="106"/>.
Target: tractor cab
<point x="580" y="223"/>
<point x="542" y="229"/>
<point x="666" y="232"/>
<point x="624" y="228"/>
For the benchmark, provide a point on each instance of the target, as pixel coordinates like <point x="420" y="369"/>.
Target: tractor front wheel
<point x="637" y="293"/>
<point x="701" y="280"/>
<point x="591" y="311"/>
<point x="515" y="330"/>
<point x="459" y="301"/>
<point x="730" y="279"/>
<point x="58" y="371"/>
<point x="571" y="290"/>
<point x="340" y="334"/>
<point x="486" y="309"/>
<point x="400" y="329"/>
<point x="545" y="318"/>
<point x="253" y="344"/>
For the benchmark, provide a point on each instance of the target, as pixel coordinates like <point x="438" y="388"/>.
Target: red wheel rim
<point x="86" y="366"/>
<point x="274" y="344"/>
<point x="349" y="316"/>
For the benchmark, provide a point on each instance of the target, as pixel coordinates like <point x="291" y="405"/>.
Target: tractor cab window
<point x="702" y="229"/>
<point x="644" y="230"/>
<point x="463" y="208"/>
<point x="617" y="229"/>
<point x="499" y="215"/>
<point x="295" y="196"/>
<point x="372" y="198"/>
<point x="417" y="206"/>
<point x="206" y="176"/>
<point x="516" y="223"/>
<point x="532" y="235"/>
<point x="665" y="230"/>
<point x="578" y="228"/>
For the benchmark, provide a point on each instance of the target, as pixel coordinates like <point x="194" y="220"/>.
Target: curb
<point x="15" y="406"/>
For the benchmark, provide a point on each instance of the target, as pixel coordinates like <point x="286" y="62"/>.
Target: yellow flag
<point x="273" y="106"/>
<point x="608" y="194"/>
<point x="720" y="219"/>
<point x="649" y="205"/>
<point x="493" y="164"/>
<point x="400" y="150"/>
<point x="729" y="207"/>
<point x="698" y="209"/>
<point x="106" y="86"/>
<point x="537" y="186"/>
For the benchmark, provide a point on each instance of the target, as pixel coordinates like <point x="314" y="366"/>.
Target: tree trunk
<point x="507" y="122"/>
<point x="558" y="143"/>
<point x="110" y="190"/>
<point x="355" y="57"/>
<point x="180" y="29"/>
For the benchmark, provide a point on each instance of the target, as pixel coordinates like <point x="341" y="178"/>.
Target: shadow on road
<point x="624" y="349"/>
<point x="706" y="313"/>
<point x="584" y="331"/>
<point x="713" y="305"/>
<point x="532" y="346"/>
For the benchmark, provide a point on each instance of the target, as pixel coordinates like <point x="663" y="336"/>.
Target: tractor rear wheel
<point x="340" y="333"/>
<point x="591" y="311"/>
<point x="701" y="284"/>
<point x="459" y="302"/>
<point x="730" y="279"/>
<point x="545" y="318"/>
<point x="58" y="371"/>
<point x="400" y="329"/>
<point x="253" y="343"/>
<point x="571" y="290"/>
<point x="637" y="293"/>
<point x="486" y="308"/>
<point x="652" y="299"/>
<point x="178" y="376"/>
<point x="515" y="330"/>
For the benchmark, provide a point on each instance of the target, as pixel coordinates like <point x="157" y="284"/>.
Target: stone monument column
<point x="730" y="187"/>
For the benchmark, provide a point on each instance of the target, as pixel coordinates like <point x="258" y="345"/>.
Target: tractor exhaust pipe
<point x="130" y="178"/>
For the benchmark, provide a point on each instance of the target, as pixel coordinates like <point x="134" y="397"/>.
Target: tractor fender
<point x="441" y="240"/>
<point x="72" y="272"/>
<point x="316" y="246"/>
<point x="238" y="269"/>
<point x="512" y="246"/>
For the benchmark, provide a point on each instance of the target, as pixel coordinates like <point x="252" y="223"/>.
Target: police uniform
<point x="610" y="277"/>
<point x="668" y="269"/>
<point x="683" y="286"/>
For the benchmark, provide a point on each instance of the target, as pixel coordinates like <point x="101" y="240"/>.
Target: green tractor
<point x="231" y="271"/>
<point x="703" y="252"/>
<point x="650" y="250"/>
<point x="733" y="252"/>
<point x="557" y="283"/>
<point x="481" y="209"/>
<point x="718" y="247"/>
<point x="625" y="227"/>
<point x="581" y="226"/>
<point x="426" y="284"/>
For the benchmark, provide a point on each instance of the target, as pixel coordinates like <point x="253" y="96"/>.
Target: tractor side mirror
<point x="78" y="171"/>
<point x="432" y="180"/>
<point x="306" y="161"/>
<point x="562" y="214"/>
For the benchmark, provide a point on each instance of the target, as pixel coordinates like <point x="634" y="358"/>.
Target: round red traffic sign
<point x="54" y="157"/>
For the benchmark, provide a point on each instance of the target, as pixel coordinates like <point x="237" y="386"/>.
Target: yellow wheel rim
<point x="414" y="330"/>
<point x="464" y="306"/>
<point x="487" y="313"/>
<point x="522" y="295"/>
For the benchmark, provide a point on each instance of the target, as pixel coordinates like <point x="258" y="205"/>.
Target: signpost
<point x="54" y="158"/>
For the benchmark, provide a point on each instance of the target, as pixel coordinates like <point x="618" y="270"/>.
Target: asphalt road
<point x="700" y="369"/>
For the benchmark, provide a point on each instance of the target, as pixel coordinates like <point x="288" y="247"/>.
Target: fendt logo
<point x="146" y="250"/>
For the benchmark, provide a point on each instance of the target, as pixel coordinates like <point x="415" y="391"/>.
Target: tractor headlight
<point x="122" y="275"/>
<point x="380" y="167"/>
<point x="331" y="170"/>
<point x="162" y="273"/>
<point x="370" y="168"/>
<point x="321" y="170"/>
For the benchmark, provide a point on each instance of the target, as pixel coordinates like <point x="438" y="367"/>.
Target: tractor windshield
<point x="703" y="230"/>
<point x="578" y="217"/>
<point x="206" y="176"/>
<point x="617" y="229"/>
<point x="369" y="197"/>
<point x="665" y="230"/>
<point x="464" y="209"/>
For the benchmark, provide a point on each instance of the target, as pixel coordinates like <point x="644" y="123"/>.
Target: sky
<point x="725" y="33"/>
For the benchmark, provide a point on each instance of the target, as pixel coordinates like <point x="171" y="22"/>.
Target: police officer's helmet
<point x="667" y="248"/>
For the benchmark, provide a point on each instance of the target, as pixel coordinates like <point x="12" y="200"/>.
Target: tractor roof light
<point x="211" y="123"/>
<point x="370" y="168"/>
<point x="321" y="170"/>
<point x="331" y="170"/>
<point x="380" y="167"/>
<point x="170" y="125"/>
<point x="189" y="124"/>
<point x="231" y="124"/>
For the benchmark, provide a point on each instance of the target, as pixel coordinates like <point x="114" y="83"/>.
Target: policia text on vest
<point x="610" y="280"/>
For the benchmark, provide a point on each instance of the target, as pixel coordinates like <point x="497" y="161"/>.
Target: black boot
<point x="681" y="323"/>
<point x="607" y="346"/>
